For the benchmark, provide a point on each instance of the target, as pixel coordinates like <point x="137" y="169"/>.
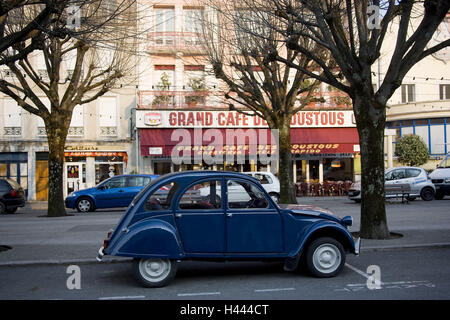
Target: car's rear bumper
<point x="100" y="254"/>
<point x="357" y="246"/>
<point x="14" y="203"/>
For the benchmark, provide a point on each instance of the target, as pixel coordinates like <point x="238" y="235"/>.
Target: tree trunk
<point x="56" y="135"/>
<point x="285" y="174"/>
<point x="371" y="119"/>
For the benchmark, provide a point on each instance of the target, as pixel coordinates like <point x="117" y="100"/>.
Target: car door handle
<point x="229" y="215"/>
<point x="120" y="190"/>
<point x="178" y="215"/>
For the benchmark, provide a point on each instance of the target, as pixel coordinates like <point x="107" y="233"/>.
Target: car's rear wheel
<point x="325" y="257"/>
<point x="154" y="273"/>
<point x="11" y="210"/>
<point x="427" y="194"/>
<point x="85" y="205"/>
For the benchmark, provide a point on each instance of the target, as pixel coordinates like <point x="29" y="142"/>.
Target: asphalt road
<point x="404" y="274"/>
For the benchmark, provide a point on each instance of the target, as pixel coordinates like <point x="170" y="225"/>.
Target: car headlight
<point x="447" y="180"/>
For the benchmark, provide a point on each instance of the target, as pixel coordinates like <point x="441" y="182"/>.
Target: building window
<point x="12" y="120"/>
<point x="193" y="20"/>
<point x="444" y="91"/>
<point x="108" y="116"/>
<point x="77" y="123"/>
<point x="408" y="93"/>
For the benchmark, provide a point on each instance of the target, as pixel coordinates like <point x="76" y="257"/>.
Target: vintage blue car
<point x="191" y="215"/>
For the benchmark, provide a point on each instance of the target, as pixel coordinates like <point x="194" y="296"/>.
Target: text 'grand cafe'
<point x="324" y="144"/>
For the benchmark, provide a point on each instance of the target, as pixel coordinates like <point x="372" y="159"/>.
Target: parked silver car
<point x="417" y="178"/>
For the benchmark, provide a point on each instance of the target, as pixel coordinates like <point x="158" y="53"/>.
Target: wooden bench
<point x="397" y="190"/>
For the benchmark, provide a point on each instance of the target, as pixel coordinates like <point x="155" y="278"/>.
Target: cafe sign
<point x="233" y="119"/>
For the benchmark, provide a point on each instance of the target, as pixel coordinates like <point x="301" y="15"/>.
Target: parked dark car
<point x="114" y="192"/>
<point x="174" y="219"/>
<point x="12" y="196"/>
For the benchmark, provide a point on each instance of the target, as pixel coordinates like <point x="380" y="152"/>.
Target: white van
<point x="441" y="178"/>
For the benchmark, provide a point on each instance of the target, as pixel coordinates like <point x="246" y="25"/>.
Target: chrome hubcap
<point x="154" y="270"/>
<point x="84" y="205"/>
<point x="327" y="258"/>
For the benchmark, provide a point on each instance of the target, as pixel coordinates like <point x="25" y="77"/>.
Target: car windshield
<point x="445" y="163"/>
<point x="13" y="183"/>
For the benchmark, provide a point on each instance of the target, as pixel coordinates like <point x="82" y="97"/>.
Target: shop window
<point x="422" y="131"/>
<point x="437" y="139"/>
<point x="202" y="196"/>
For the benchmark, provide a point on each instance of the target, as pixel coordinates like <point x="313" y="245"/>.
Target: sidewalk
<point x="35" y="239"/>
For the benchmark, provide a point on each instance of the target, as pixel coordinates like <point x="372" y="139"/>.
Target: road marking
<point x="361" y="273"/>
<point x="198" y="294"/>
<point x="276" y="289"/>
<point x="354" y="287"/>
<point x="121" y="298"/>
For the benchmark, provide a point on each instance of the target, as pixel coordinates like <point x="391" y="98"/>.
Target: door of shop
<point x="76" y="176"/>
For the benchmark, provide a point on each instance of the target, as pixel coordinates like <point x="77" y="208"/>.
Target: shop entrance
<point x="76" y="176"/>
<point x="314" y="170"/>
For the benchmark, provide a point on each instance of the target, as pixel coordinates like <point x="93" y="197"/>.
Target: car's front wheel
<point x="427" y="194"/>
<point x="85" y="205"/>
<point x="325" y="257"/>
<point x="154" y="273"/>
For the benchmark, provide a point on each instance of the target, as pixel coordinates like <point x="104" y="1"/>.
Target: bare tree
<point x="25" y="24"/>
<point x="237" y="40"/>
<point x="77" y="71"/>
<point x="353" y="32"/>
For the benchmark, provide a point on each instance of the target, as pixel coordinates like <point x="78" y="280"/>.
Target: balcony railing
<point x="170" y="42"/>
<point x="177" y="99"/>
<point x="172" y="99"/>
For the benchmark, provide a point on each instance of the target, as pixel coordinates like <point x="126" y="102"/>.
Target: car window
<point x="13" y="183"/>
<point x="202" y="196"/>
<point x="138" y="181"/>
<point x="396" y="174"/>
<point x="118" y="182"/>
<point x="161" y="198"/>
<point x="263" y="178"/>
<point x="412" y="173"/>
<point x="245" y="195"/>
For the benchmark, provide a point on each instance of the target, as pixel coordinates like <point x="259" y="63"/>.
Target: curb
<point x="122" y="260"/>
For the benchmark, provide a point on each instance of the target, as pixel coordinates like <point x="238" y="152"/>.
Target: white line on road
<point x="121" y="298"/>
<point x="276" y="289"/>
<point x="198" y="294"/>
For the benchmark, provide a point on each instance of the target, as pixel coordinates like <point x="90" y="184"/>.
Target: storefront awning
<point x="160" y="142"/>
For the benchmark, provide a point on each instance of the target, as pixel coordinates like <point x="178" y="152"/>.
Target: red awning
<point x="160" y="142"/>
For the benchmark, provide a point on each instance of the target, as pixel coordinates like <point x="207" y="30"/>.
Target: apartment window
<point x="193" y="20"/>
<point x="12" y="120"/>
<point x="164" y="20"/>
<point x="40" y="121"/>
<point x="77" y="123"/>
<point x="444" y="91"/>
<point x="408" y="93"/>
<point x="108" y="116"/>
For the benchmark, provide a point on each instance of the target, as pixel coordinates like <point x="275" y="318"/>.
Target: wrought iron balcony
<point x="171" y="42"/>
